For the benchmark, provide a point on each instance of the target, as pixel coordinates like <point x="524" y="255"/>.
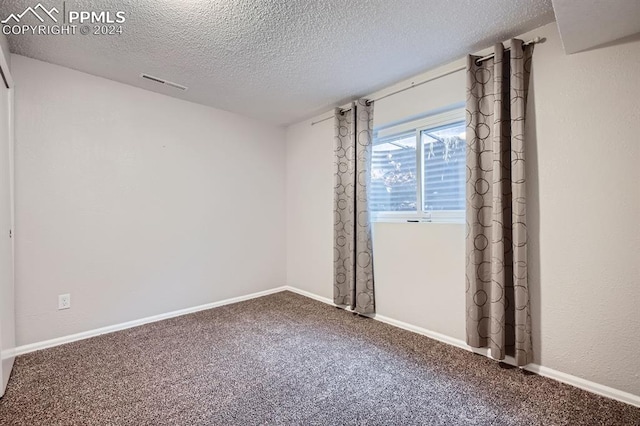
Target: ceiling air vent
<point x="165" y="82"/>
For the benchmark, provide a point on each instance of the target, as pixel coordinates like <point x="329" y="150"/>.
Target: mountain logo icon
<point x="34" y="11"/>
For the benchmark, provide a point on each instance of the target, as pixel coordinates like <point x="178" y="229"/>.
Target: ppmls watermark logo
<point x="42" y="20"/>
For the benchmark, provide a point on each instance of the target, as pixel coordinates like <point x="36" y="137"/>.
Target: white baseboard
<point x="20" y="350"/>
<point x="584" y="384"/>
<point x="569" y="379"/>
<point x="310" y="295"/>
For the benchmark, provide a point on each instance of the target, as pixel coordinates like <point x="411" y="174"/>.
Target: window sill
<point x="414" y="222"/>
<point x="457" y="217"/>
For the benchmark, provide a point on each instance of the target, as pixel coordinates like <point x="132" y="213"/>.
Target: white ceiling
<point x="279" y="60"/>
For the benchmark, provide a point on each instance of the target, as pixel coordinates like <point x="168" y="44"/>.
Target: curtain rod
<point x="420" y="83"/>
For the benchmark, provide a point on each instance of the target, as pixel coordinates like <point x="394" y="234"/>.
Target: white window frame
<point x="417" y="127"/>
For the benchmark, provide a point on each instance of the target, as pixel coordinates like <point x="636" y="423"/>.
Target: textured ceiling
<point x="278" y="60"/>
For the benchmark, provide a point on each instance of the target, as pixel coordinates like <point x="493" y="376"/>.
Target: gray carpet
<point x="285" y="359"/>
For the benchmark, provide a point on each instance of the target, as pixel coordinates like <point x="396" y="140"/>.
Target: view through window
<point x="420" y="174"/>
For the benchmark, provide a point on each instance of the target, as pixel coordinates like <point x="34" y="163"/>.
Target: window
<point x="393" y="175"/>
<point x="418" y="170"/>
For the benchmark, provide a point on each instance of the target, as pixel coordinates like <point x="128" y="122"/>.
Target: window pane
<point x="444" y="174"/>
<point x="393" y="175"/>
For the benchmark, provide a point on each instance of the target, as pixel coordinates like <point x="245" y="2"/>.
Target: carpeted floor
<point x="285" y="359"/>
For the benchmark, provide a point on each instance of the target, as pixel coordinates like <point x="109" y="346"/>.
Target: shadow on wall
<point x="629" y="39"/>
<point x="533" y="220"/>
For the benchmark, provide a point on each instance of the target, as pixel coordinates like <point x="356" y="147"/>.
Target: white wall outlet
<point x="64" y="301"/>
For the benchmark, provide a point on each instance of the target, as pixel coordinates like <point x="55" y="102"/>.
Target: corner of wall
<point x="4" y="46"/>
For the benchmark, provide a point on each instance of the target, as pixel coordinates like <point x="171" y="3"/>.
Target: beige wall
<point x="584" y="204"/>
<point x="309" y="215"/>
<point x="136" y="203"/>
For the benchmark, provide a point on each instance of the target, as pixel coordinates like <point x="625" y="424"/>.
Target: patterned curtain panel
<point x="497" y="293"/>
<point x="353" y="257"/>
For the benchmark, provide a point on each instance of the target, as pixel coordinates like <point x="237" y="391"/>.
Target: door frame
<point x="7" y="355"/>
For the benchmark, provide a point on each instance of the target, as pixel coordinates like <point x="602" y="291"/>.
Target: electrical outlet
<point x="64" y="301"/>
